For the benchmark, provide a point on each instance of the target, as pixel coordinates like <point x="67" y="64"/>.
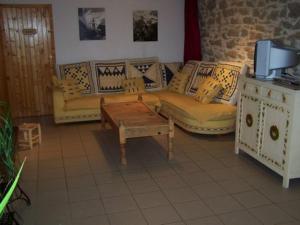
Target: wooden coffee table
<point x="135" y="119"/>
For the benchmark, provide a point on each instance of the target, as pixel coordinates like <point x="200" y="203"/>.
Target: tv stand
<point x="268" y="126"/>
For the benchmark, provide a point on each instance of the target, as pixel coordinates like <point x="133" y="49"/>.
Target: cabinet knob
<point x="274" y="132"/>
<point x="249" y="120"/>
<point x="269" y="93"/>
<point x="283" y="98"/>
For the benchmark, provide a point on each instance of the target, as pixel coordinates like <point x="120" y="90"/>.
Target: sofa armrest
<point x="58" y="100"/>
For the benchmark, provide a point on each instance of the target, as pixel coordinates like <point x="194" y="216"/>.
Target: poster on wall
<point x="145" y="25"/>
<point x="91" y="24"/>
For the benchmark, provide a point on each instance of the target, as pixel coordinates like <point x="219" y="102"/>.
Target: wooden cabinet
<point x="268" y="126"/>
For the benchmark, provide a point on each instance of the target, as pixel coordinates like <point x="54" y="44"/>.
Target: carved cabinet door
<point x="274" y="134"/>
<point x="249" y="123"/>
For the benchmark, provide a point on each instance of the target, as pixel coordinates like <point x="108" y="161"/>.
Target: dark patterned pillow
<point x="148" y="69"/>
<point x="109" y="75"/>
<point x="79" y="72"/>
<point x="168" y="70"/>
<point x="204" y="70"/>
<point x="228" y="73"/>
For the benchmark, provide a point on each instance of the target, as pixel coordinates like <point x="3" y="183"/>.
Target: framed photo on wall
<point x="145" y="25"/>
<point x="91" y="23"/>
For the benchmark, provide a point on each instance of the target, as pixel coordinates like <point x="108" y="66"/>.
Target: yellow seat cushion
<point x="195" y="110"/>
<point x="149" y="99"/>
<point x="178" y="82"/>
<point x="208" y="89"/>
<point x="84" y="102"/>
<point x="134" y="85"/>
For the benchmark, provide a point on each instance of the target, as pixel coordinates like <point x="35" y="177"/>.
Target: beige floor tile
<point x="192" y="210"/>
<point x="108" y="178"/>
<point x="93" y="220"/>
<point x="239" y="218"/>
<point x="81" y="182"/>
<point x="223" y="204"/>
<point x="151" y="199"/>
<point x="161" y="171"/>
<point x="213" y="220"/>
<point x="86" y="209"/>
<point x="170" y="182"/>
<point x="49" y="197"/>
<point x="251" y="199"/>
<point x="76" y="171"/>
<point x="270" y="215"/>
<point x="209" y="190"/>
<point x="223" y="174"/>
<point x="142" y="186"/>
<point x="127" y="218"/>
<point x="83" y="194"/>
<point x="185" y="167"/>
<point x="210" y="164"/>
<point x="119" y="204"/>
<point x="52" y="185"/>
<point x="113" y="189"/>
<point x="196" y="178"/>
<point x="134" y="175"/>
<point x="235" y="186"/>
<point x="55" y="173"/>
<point x="161" y="215"/>
<point x="181" y="195"/>
<point x="292" y="208"/>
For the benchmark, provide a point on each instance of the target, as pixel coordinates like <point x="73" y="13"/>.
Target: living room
<point x="187" y="172"/>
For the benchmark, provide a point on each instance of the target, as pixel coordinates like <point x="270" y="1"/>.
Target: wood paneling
<point x="3" y="90"/>
<point x="28" y="49"/>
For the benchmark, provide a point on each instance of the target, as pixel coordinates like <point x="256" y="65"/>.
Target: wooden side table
<point x="31" y="135"/>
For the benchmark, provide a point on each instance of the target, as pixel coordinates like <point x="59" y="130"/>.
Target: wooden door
<point x="28" y="50"/>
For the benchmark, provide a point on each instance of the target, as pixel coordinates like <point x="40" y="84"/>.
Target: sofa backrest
<point x="106" y="76"/>
<point x="227" y="73"/>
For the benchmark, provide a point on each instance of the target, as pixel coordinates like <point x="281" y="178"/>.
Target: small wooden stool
<point x="31" y="134"/>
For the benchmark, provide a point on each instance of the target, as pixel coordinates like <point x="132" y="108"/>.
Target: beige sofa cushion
<point x="84" y="102"/>
<point x="196" y="110"/>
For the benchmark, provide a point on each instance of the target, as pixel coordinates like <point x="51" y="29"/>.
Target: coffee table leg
<point x="102" y="112"/>
<point x="122" y="143"/>
<point x="170" y="138"/>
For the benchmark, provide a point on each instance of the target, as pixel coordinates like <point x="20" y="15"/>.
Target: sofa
<point x="104" y="78"/>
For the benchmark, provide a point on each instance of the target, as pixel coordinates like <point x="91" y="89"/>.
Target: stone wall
<point x="229" y="28"/>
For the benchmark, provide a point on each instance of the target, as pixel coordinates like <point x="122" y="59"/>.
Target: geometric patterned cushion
<point x="208" y="89"/>
<point x="168" y="70"/>
<point x="80" y="73"/>
<point x="109" y="75"/>
<point x="71" y="90"/>
<point x="205" y="69"/>
<point x="134" y="85"/>
<point x="178" y="82"/>
<point x="228" y="74"/>
<point x="191" y="67"/>
<point x="148" y="69"/>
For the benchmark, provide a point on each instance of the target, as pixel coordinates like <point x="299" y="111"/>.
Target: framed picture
<point x="91" y="23"/>
<point x="145" y="25"/>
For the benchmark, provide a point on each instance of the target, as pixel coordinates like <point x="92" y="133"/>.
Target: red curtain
<point x="192" y="45"/>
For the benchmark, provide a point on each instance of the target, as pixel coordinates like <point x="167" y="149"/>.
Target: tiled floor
<point x="74" y="178"/>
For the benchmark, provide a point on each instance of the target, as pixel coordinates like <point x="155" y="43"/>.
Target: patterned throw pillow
<point x="109" y="75"/>
<point x="79" y="72"/>
<point x="205" y="69"/>
<point x="178" y="82"/>
<point x="168" y="70"/>
<point x="227" y="73"/>
<point x="148" y="69"/>
<point x="190" y="67"/>
<point x="208" y="89"/>
<point x="134" y="85"/>
<point x="71" y="90"/>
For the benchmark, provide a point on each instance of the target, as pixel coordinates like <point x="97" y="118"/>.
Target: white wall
<point x="119" y="37"/>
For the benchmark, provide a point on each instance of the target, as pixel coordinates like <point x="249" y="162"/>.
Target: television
<point x="271" y="59"/>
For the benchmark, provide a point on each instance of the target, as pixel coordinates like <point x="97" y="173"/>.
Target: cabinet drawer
<point x="251" y="88"/>
<point x="277" y="96"/>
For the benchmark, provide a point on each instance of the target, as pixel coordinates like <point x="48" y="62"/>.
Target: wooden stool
<point x="31" y="134"/>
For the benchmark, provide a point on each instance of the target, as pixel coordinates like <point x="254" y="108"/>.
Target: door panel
<point x="249" y="123"/>
<point x="274" y="134"/>
<point x="28" y="49"/>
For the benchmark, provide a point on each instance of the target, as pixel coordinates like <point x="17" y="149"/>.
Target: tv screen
<point x="271" y="58"/>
